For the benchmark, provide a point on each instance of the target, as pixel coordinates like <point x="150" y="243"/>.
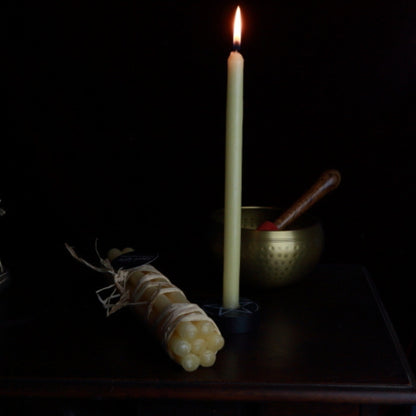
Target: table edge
<point x="210" y="391"/>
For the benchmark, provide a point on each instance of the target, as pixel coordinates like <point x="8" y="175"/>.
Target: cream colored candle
<point x="233" y="171"/>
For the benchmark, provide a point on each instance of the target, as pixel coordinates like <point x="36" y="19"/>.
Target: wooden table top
<point x="326" y="339"/>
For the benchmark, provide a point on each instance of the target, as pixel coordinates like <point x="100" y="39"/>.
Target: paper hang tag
<point x="133" y="259"/>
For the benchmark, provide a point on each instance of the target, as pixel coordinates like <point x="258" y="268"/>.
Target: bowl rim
<point x="314" y="220"/>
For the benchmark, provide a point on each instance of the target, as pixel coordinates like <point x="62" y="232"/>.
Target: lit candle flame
<point x="237" y="29"/>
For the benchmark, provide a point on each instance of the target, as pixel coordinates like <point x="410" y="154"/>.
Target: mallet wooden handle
<point x="327" y="182"/>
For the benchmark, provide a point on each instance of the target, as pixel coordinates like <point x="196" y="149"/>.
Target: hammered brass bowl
<point x="274" y="258"/>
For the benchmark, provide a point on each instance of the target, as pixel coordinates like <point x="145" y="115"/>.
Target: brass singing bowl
<point x="274" y="258"/>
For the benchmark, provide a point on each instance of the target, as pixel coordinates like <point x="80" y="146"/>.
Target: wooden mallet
<point x="327" y="182"/>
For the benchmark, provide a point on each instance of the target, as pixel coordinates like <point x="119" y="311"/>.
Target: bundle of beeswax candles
<point x="189" y="336"/>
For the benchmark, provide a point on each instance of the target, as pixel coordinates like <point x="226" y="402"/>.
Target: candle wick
<point x="236" y="46"/>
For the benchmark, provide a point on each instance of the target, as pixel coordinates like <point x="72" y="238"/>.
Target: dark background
<point x="117" y="120"/>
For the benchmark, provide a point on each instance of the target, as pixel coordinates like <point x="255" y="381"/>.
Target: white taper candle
<point x="233" y="172"/>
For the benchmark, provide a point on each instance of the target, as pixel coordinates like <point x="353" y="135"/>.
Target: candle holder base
<point x="240" y="320"/>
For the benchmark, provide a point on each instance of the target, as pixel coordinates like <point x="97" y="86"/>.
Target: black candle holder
<point x="241" y="320"/>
